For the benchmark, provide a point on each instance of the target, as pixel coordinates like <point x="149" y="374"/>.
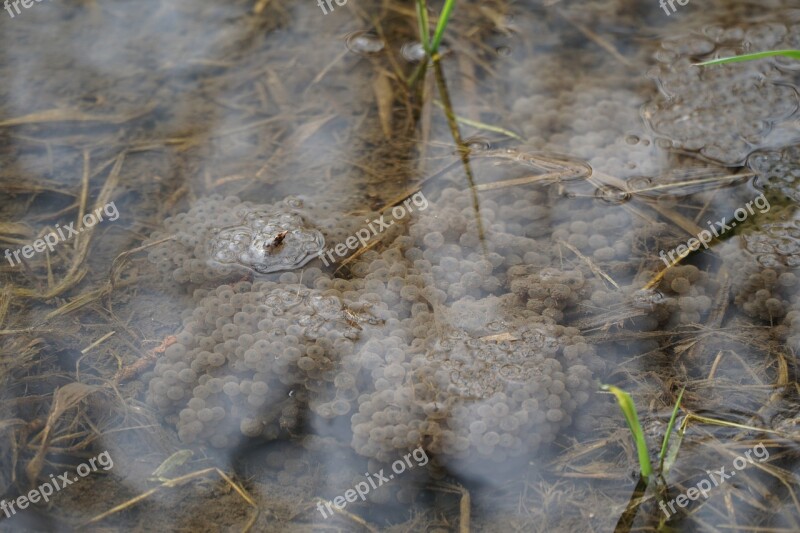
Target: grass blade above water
<point x="629" y="410"/>
<point x="794" y="54"/>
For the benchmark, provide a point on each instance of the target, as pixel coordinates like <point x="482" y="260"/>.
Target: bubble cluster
<point x="591" y="119"/>
<point x="219" y="238"/>
<point x="265" y="241"/>
<point x="776" y="245"/>
<point x="778" y="173"/>
<point x="724" y="112"/>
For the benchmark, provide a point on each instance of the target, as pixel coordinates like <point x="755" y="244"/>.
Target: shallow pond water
<point x="256" y="278"/>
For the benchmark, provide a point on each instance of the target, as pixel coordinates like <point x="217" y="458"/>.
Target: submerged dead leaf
<point x="73" y="115"/>
<point x="384" y="95"/>
<point x="15" y="228"/>
<point x="500" y="337"/>
<point x="64" y="398"/>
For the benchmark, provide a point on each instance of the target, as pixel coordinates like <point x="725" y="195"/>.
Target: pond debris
<point x="181" y="480"/>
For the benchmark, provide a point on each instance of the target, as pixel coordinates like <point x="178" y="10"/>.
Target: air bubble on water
<point x="769" y="261"/>
<point x="446" y="344"/>
<point x="548" y="274"/>
<point x="758" y="247"/>
<point x="788" y="247"/>
<point x="777" y="231"/>
<point x="413" y="52"/>
<point x="293" y="201"/>
<point x="754" y="130"/>
<point x="533" y="338"/>
<point x="666" y="144"/>
<point x="665" y="56"/>
<point x="511" y="372"/>
<point x="551" y="343"/>
<point x="638" y="183"/>
<point x="364" y="42"/>
<point x="497" y="325"/>
<point x="477" y="144"/>
<point x="714" y="31"/>
<point x="646" y="299"/>
<point x="612" y="195"/>
<point x="759" y="184"/>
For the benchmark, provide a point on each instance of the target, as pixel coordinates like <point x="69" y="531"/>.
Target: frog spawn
<point x="725" y="113"/>
<point x="412" y="342"/>
<point x="777" y="245"/>
<point x="247" y="357"/>
<point x="766" y="280"/>
<point x="466" y="395"/>
<point x="777" y="173"/>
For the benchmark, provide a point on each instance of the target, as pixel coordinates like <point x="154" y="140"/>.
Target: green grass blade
<point x="482" y="125"/>
<point x="629" y="410"/>
<point x="672" y="453"/>
<point x="424" y="28"/>
<point x="444" y="18"/>
<point x="669" y="430"/>
<point x="794" y="54"/>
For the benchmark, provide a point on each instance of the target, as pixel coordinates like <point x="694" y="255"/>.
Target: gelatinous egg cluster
<point x="724" y="112"/>
<point x="460" y="337"/>
<point x="247" y="356"/>
<point x="428" y="321"/>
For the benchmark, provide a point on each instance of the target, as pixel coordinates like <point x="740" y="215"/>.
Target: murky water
<point x="255" y="279"/>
